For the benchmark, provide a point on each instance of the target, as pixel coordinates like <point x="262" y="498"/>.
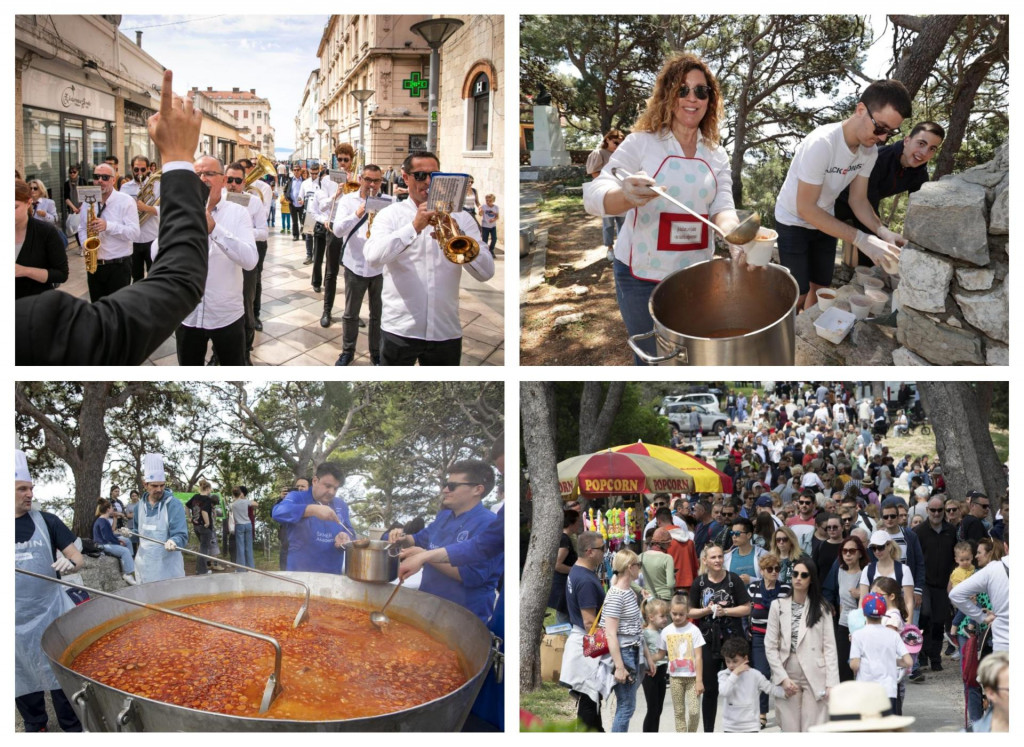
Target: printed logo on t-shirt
<point x="842" y="171"/>
<point x="681" y="656"/>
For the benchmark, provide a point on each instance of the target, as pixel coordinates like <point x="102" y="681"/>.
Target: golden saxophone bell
<point x="147" y="196"/>
<point x="91" y="248"/>
<point x="263" y="167"/>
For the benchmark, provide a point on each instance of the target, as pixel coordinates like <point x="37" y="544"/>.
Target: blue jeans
<point x="243" y="546"/>
<point x="124" y="554"/>
<point x="633" y="296"/>
<point x="610" y="228"/>
<point x="625" y="695"/>
<point x="760" y="662"/>
<point x="972" y="695"/>
<point x="490" y="236"/>
<point x="286" y="222"/>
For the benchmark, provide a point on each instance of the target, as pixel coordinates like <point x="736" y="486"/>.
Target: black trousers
<point x="589" y="713"/>
<point x="109" y="278"/>
<point x="654" y="693"/>
<point x="331" y="269"/>
<point x="319" y="243"/>
<point x="142" y="260"/>
<point x="297" y="215"/>
<point x="713" y="664"/>
<point x="32" y="708"/>
<point x="934" y="620"/>
<point x="252" y="289"/>
<point x="356" y="286"/>
<point x="396" y="350"/>
<point x="228" y="344"/>
<point x="843" y="651"/>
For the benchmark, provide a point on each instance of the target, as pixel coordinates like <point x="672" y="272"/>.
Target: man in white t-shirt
<point x="828" y="160"/>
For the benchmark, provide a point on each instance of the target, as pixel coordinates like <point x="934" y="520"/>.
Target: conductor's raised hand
<point x="175" y="128"/>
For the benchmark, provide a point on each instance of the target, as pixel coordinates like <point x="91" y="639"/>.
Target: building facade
<point x="251" y="114"/>
<point x="383" y="55"/>
<point x="307" y="120"/>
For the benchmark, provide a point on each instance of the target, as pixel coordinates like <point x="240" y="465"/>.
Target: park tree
<point x="959" y="413"/>
<point x="64" y="423"/>
<point x="599" y="405"/>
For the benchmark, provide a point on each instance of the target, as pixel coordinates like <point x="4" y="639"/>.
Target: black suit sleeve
<point x="55" y="328"/>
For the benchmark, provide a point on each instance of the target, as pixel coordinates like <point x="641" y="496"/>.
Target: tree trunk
<point x="92" y="450"/>
<point x="596" y="418"/>
<point x="917" y="62"/>
<point x="538" y="425"/>
<point x="962" y="439"/>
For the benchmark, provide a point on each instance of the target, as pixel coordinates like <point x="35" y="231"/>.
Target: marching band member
<point x="345" y="154"/>
<point x="314" y="192"/>
<point x="117" y="221"/>
<point x="420" y="318"/>
<point x="261" y="247"/>
<point x="142" y="247"/>
<point x="234" y="175"/>
<point x="350" y="231"/>
<point x="220" y="315"/>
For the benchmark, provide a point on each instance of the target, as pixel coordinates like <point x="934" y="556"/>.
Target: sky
<point x="273" y="54"/>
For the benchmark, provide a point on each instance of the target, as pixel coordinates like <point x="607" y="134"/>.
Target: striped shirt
<point x="622" y="605"/>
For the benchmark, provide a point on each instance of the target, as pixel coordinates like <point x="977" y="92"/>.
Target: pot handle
<point x="88" y="709"/>
<point x="652" y="359"/>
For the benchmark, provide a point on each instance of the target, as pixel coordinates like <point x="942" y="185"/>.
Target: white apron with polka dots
<point x="664" y="241"/>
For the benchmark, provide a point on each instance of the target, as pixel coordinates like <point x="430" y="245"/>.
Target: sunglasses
<point x="771" y="569"/>
<point x="847" y="520"/>
<point x="143" y="170"/>
<point x="736" y="534"/>
<point x="881" y="130"/>
<point x="876" y="548"/>
<point x="451" y="486"/>
<point x="701" y="92"/>
<point x="727" y="516"/>
<point x="782" y="539"/>
<point x="889" y="516"/>
<point x="935" y="510"/>
<point x="420" y="176"/>
<point x="103" y="177"/>
<point x="952" y="510"/>
<point x="982" y="505"/>
<point x="34" y="188"/>
<point x="235" y="180"/>
<point x="801" y="574"/>
<point x="832" y="528"/>
<point x="851" y="551"/>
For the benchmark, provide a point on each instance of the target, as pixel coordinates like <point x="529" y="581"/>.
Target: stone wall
<point x="953" y="294"/>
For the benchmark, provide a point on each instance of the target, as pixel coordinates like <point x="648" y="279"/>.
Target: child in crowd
<point x="741" y="687"/>
<point x="489" y="222"/>
<point x="286" y="213"/>
<point x="876" y="649"/>
<point x="963" y="554"/>
<point x="656" y="612"/>
<point x="895" y="618"/>
<point x="680" y="641"/>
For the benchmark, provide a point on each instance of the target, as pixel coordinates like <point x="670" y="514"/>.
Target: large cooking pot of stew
<point x="127" y="669"/>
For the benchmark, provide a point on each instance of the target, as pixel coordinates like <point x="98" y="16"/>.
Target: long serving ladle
<point x="379" y="619"/>
<point x="742" y="233"/>
<point x="300" y="618"/>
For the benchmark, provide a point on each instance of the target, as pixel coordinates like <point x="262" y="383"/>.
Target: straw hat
<point x="860" y="706"/>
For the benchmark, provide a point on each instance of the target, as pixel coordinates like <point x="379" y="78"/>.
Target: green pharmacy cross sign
<point x="414" y="84"/>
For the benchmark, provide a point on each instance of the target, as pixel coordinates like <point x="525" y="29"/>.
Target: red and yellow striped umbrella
<point x="613" y="473"/>
<point x="706" y="478"/>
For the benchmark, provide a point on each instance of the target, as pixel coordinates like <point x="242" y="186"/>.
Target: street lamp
<point x="435" y="32"/>
<point x="362" y="95"/>
<point x="320" y="143"/>
<point x="330" y="137"/>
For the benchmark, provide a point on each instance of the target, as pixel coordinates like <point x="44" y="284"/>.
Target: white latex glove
<point x="879" y="251"/>
<point x="890" y="236"/>
<point x="124" y="532"/>
<point x="62" y="565"/>
<point x="169" y="546"/>
<point x="637" y="189"/>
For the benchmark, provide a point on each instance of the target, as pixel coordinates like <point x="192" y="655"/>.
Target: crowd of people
<point x="834" y="185"/>
<point x="460" y="553"/>
<point x="210" y="297"/>
<point x="830" y="562"/>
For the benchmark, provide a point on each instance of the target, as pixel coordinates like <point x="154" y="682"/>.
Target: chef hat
<point x="21" y="467"/>
<point x="153" y="468"/>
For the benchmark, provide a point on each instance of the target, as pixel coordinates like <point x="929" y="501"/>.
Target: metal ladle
<point x="742" y="233"/>
<point x="379" y="619"/>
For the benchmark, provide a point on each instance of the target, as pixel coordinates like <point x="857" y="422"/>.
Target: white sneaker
<point x="130" y="578"/>
<point x="610" y="256"/>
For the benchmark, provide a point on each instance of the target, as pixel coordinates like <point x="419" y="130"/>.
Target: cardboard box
<point x="551" y="648"/>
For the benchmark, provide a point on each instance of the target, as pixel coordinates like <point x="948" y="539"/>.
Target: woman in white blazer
<point x="800" y="646"/>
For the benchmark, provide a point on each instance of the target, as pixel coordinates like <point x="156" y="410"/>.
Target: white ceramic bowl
<point x="860" y="305"/>
<point x="826" y="297"/>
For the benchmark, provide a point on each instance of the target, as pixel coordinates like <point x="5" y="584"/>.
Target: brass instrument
<point x="457" y="247"/>
<point x="369" y="220"/>
<point x="91" y="249"/>
<point x="263" y="167"/>
<point x="147" y="196"/>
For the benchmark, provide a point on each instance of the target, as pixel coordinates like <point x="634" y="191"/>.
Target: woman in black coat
<point x="41" y="261"/>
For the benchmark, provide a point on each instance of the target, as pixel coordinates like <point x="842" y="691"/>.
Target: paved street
<point x="292" y="335"/>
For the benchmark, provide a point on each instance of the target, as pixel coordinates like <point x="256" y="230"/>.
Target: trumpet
<point x="457" y="247"/>
<point x="91" y="249"/>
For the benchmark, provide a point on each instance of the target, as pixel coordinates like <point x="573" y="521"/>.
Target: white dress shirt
<point x="48" y="206"/>
<point x="147" y="231"/>
<point x="421" y="287"/>
<point x="232" y="249"/>
<point x="355" y="257"/>
<point x="122" y="217"/>
<point x="258" y="212"/>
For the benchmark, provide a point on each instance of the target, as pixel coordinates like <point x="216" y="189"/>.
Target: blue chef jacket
<point x="310" y="540"/>
<point x="479" y="579"/>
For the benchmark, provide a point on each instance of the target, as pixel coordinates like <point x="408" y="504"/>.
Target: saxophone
<point x="147" y="195"/>
<point x="369" y="221"/>
<point x="91" y="250"/>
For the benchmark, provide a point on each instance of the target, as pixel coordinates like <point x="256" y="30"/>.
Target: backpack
<point x="90" y="548"/>
<point x="871" y="573"/>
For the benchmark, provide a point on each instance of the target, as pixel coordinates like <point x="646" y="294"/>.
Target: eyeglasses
<point x="142" y="170"/>
<point x="771" y="569"/>
<point x="598" y="548"/>
<point x="701" y="92"/>
<point x="876" y="548"/>
<point x="420" y="176"/>
<point x="801" y="574"/>
<point x="451" y="486"/>
<point x="208" y="174"/>
<point x="235" y="180"/>
<point x="344" y="159"/>
<point x="889" y="516"/>
<point x="368" y="180"/>
<point x="851" y="551"/>
<point x="103" y="177"/>
<point x="881" y="130"/>
<point x="832" y="527"/>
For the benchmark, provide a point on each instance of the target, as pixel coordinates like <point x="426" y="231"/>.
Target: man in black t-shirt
<point x="972" y="526"/>
<point x="718" y="603"/>
<point x="200" y="508"/>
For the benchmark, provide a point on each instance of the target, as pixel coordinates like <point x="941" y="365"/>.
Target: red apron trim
<point x="680" y="232"/>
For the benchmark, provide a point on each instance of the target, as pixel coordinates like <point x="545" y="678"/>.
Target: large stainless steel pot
<point x="715" y="314"/>
<point x="371" y="560"/>
<point x="103" y="708"/>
